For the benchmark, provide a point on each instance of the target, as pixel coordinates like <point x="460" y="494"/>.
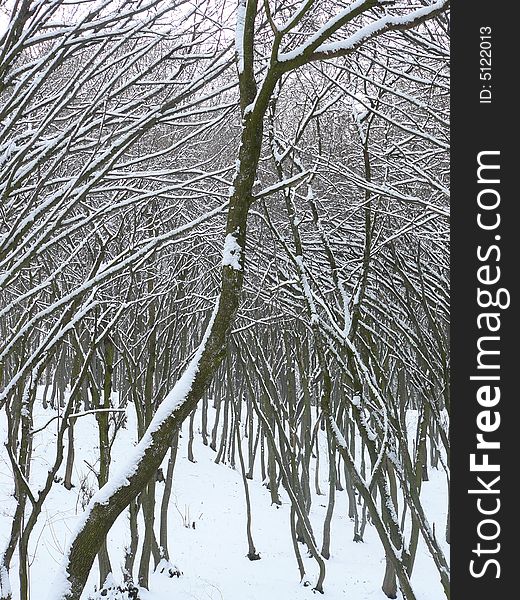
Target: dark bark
<point x="148" y="506"/>
<point x="163" y="531"/>
<point x="204" y="428"/>
<point x="325" y="548"/>
<point x="130" y="551"/>
<point x="252" y="554"/>
<point x="191" y="437"/>
<point x="101" y="516"/>
<point x="67" y="480"/>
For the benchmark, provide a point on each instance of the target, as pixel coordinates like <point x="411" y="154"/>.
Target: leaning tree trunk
<point x="110" y="501"/>
<point x="163" y="532"/>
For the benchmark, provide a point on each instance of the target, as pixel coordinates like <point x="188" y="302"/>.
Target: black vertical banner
<point x="485" y="257"/>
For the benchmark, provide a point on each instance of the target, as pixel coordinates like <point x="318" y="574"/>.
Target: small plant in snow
<point x="167" y="568"/>
<point x="86" y="491"/>
<point x="112" y="591"/>
<point x="185" y="516"/>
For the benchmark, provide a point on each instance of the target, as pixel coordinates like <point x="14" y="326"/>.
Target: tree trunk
<point x="204" y="428"/>
<point x="108" y="504"/>
<point x="67" y="480"/>
<point x="325" y="548"/>
<point x="191" y="458"/>
<point x="148" y="505"/>
<point x="163" y="531"/>
<point x="252" y="553"/>
<point x="130" y="551"/>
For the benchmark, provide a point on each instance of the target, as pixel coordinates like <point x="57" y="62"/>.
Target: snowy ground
<point x="212" y="555"/>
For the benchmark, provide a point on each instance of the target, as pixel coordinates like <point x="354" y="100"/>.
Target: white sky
<point x="4" y="19"/>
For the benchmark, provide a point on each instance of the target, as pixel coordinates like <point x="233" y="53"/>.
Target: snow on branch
<point x="315" y="48"/>
<point x="282" y="184"/>
<point x="94" y="411"/>
<point x="171" y="403"/>
<point x="239" y="34"/>
<point x="328" y="28"/>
